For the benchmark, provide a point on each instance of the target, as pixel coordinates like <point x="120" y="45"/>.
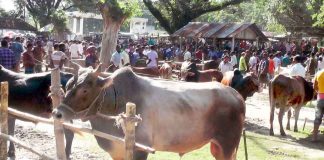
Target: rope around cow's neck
<point x="86" y="111"/>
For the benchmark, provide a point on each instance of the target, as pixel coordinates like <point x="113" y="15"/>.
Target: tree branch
<point x="157" y="14"/>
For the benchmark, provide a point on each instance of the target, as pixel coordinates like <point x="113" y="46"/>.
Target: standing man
<point x="187" y="54"/>
<point x="58" y="57"/>
<point x="242" y="64"/>
<point x="297" y="69"/>
<point x="7" y="57"/>
<point x="271" y="67"/>
<point x="277" y="62"/>
<point x="28" y="59"/>
<point x="253" y="62"/>
<point x="17" y="49"/>
<point x="263" y="70"/>
<point x="74" y="50"/>
<point x="319" y="88"/>
<point x="116" y="58"/>
<point x="225" y="65"/>
<point x="233" y="60"/>
<point x="311" y="66"/>
<point x="152" y="58"/>
<point x="39" y="54"/>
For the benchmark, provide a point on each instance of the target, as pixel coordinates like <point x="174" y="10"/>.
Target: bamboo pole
<point x="56" y="95"/>
<point x="21" y="144"/>
<point x="4" y="119"/>
<point x="245" y="145"/>
<point x="130" y="130"/>
<point x="78" y="129"/>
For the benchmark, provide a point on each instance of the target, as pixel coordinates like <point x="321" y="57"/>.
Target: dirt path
<point x="257" y="120"/>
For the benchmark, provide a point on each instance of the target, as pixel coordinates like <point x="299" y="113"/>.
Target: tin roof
<point x="220" y="31"/>
<point x="18" y="24"/>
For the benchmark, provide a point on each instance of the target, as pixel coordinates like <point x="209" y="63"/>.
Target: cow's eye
<point x="85" y="91"/>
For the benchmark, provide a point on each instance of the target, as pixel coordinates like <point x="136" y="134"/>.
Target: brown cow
<point x="286" y="92"/>
<point x="246" y="85"/>
<point x="146" y="71"/>
<point x="190" y="73"/>
<point x="208" y="75"/>
<point x="194" y="115"/>
<point x="166" y="70"/>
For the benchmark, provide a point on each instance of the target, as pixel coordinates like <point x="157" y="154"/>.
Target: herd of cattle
<point x="209" y="112"/>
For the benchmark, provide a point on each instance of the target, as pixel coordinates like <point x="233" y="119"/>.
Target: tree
<point x="174" y="14"/>
<point x="297" y="16"/>
<point x="114" y="13"/>
<point x="246" y="12"/>
<point x="46" y="12"/>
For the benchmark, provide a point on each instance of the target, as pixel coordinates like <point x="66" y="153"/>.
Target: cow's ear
<point x="104" y="82"/>
<point x="0" y="67"/>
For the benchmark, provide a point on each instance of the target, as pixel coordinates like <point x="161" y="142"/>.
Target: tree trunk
<point x="109" y="38"/>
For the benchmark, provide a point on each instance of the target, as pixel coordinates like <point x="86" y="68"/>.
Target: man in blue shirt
<point x="7" y="57"/>
<point x="17" y="49"/>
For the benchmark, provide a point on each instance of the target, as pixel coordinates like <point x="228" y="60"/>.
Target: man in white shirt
<point x="297" y="69"/>
<point x="116" y="58"/>
<point x="125" y="58"/>
<point x="58" y="57"/>
<point x="277" y="62"/>
<point x="233" y="59"/>
<point x="74" y="50"/>
<point x="187" y="54"/>
<point x="253" y="63"/>
<point x="80" y="48"/>
<point x="152" y="58"/>
<point x="225" y="65"/>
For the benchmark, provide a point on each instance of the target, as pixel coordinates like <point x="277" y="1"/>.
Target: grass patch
<point x="259" y="147"/>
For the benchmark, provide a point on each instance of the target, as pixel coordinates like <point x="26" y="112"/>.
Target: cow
<point x="147" y="71"/>
<point x="190" y="73"/>
<point x="246" y="85"/>
<point x="285" y="93"/>
<point x="165" y="70"/>
<point x="29" y="93"/>
<point x="194" y="115"/>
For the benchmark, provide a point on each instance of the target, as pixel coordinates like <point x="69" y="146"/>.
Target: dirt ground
<point x="41" y="138"/>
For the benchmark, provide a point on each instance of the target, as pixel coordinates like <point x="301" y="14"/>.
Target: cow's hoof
<point x="288" y="128"/>
<point x="283" y="134"/>
<point x="11" y="154"/>
<point x="295" y="130"/>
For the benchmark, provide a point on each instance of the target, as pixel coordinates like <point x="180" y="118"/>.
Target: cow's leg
<point x="140" y="155"/>
<point x="288" y="119"/>
<point x="69" y="135"/>
<point x="280" y="117"/>
<point x="11" y="132"/>
<point x="271" y="119"/>
<point x="297" y="110"/>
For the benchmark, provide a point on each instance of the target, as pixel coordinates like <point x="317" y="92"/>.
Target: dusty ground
<point x="40" y="137"/>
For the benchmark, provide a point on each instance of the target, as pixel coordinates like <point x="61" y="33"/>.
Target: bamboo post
<point x="56" y="95"/>
<point x="245" y="145"/>
<point x="4" y="119"/>
<point x="304" y="124"/>
<point x="130" y="130"/>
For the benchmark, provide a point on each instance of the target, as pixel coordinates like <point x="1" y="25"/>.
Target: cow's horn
<point x="98" y="69"/>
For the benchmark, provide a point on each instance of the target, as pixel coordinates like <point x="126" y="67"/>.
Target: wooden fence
<point x="56" y="93"/>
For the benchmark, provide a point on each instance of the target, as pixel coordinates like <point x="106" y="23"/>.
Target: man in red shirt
<point x="271" y="67"/>
<point x="199" y="53"/>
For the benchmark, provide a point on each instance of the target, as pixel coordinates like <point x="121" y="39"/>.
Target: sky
<point x="7" y="4"/>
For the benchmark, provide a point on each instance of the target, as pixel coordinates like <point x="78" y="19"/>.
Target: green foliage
<point x="113" y="9"/>
<point x="299" y="16"/>
<point x="319" y="18"/>
<point x="174" y="14"/>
